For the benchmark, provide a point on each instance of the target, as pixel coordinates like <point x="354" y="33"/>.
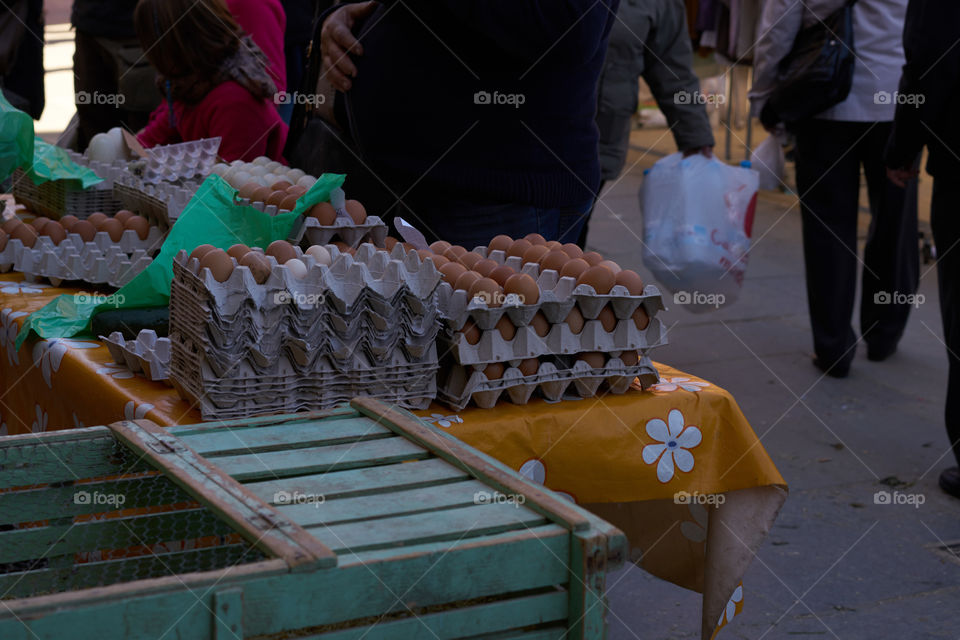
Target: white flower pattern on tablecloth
<point x="40" y="424"/>
<point x="731" y="609"/>
<point x="672" y="384"/>
<point x="672" y="444"/>
<point x="8" y="333"/>
<point x="133" y="411"/>
<point x="48" y="354"/>
<point x="444" y="421"/>
<point x="535" y="471"/>
<point x="696" y="530"/>
<point x="115" y="371"/>
<point x="16" y="288"/>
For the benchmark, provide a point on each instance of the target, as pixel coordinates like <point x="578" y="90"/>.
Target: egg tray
<point x="180" y="161"/>
<point x="460" y="384"/>
<point x="374" y="230"/>
<point x="87" y="264"/>
<point x="57" y="198"/>
<point x="160" y="203"/>
<point x="146" y="354"/>
<point x="10" y="254"/>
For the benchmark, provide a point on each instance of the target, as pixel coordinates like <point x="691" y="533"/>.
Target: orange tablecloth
<point x="677" y="466"/>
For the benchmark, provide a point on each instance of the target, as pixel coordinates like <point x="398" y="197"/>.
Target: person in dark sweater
<point x="477" y="118"/>
<point x="927" y="108"/>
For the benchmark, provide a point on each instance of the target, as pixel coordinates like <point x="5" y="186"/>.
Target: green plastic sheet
<point x="52" y="163"/>
<point x="211" y="217"/>
<point x="16" y="138"/>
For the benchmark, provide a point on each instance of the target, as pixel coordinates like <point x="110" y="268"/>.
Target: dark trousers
<point x="945" y="222"/>
<point x="829" y="158"/>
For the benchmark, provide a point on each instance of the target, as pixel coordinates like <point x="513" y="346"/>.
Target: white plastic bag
<point x="768" y="160"/>
<point x="698" y="216"/>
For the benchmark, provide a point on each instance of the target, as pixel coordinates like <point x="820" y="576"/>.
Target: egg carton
<point x="129" y="243"/>
<point x="554" y="379"/>
<point x="10" y="254"/>
<point x="180" y="161"/>
<point x="374" y="230"/>
<point x="78" y="261"/>
<point x="160" y="203"/>
<point x="147" y="354"/>
<point x="57" y="198"/>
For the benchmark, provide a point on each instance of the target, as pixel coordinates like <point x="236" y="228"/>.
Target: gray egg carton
<point x="75" y="260"/>
<point x="181" y="161"/>
<point x="373" y="230"/>
<point x="146" y="354"/>
<point x="161" y="203"/>
<point x="10" y="254"/>
<point x="461" y="384"/>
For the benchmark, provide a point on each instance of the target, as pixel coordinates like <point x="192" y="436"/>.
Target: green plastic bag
<point x="53" y="163"/>
<point x="211" y="217"/>
<point x="16" y="138"/>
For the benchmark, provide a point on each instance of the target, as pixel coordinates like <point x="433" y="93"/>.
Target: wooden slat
<point x="367" y="508"/>
<point x="356" y="482"/>
<point x="228" y="613"/>
<point x="224" y="442"/>
<point x="278" y="464"/>
<point x="257" y="521"/>
<point x="344" y="410"/>
<point x="550" y="633"/>
<point x="464" y="522"/>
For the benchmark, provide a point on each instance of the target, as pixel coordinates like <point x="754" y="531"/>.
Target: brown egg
<point x="598" y="277"/>
<point x="454" y="252"/>
<point x="488" y="291"/>
<point x="593" y="258"/>
<point x="506" y="328"/>
<point x="535" y="254"/>
<point x="593" y="358"/>
<point x="424" y="254"/>
<point x="630" y="280"/>
<point x="529" y="366"/>
<point x="248" y="190"/>
<point x="113" y="228"/>
<point x="499" y="243"/>
<point x="518" y="248"/>
<point x="554" y="261"/>
<point x="37" y="223"/>
<point x="572" y="250"/>
<point x="237" y="251"/>
<point x="640" y="318"/>
<point x="296" y="190"/>
<point x="54" y="231"/>
<point x="219" y="263"/>
<point x="275" y="198"/>
<point x="540" y="325"/>
<point x="356" y="211"/>
<point x="4" y="238"/>
<point x="123" y="215"/>
<point x="471" y="332"/>
<point x="466" y="280"/>
<point x="11" y="224"/>
<point x="523" y="287"/>
<point x="485" y="267"/>
<point x="324" y="213"/>
<point x="258" y="265"/>
<point x="608" y="320"/>
<point x="25" y="234"/>
<point x="281" y="250"/>
<point x="438" y="261"/>
<point x="501" y="273"/>
<point x="574" y="268"/>
<point x="451" y="271"/>
<point x="553" y="245"/>
<point x="261" y="194"/>
<point x="535" y="238"/>
<point x="84" y="229"/>
<point x="494" y="371"/>
<point x="289" y="203"/>
<point x="96" y="219"/>
<point x="201" y="250"/>
<point x="440" y="246"/>
<point x="630" y="358"/>
<point x="389" y="243"/>
<point x="470" y="259"/>
<point x="67" y="222"/>
<point x="611" y="265"/>
<point x="281" y="185"/>
<point x="575" y="320"/>
<point x="139" y="225"/>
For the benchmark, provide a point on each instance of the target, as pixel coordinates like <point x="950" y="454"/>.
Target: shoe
<point x="879" y="353"/>
<point x="950" y="481"/>
<point x="836" y="370"/>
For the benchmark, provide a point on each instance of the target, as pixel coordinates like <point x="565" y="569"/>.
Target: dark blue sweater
<point x="492" y="100"/>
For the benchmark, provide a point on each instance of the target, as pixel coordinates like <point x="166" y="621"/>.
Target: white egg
<point x="229" y="173"/>
<point x="241" y="178"/>
<point x="261" y="160"/>
<point x="296" y="268"/>
<point x="306" y="181"/>
<point x="219" y="169"/>
<point x="257" y="171"/>
<point x="272" y="166"/>
<point x="295" y="174"/>
<point x="236" y="163"/>
<point x="320" y="254"/>
<point x="271" y="178"/>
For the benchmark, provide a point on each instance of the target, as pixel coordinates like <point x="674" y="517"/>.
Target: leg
<point x="828" y="178"/>
<point x="94" y="70"/>
<point x="891" y="258"/>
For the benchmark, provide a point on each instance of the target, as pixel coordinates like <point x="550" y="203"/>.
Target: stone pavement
<point x="836" y="564"/>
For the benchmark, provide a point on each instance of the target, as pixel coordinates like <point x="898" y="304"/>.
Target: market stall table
<point x="677" y="467"/>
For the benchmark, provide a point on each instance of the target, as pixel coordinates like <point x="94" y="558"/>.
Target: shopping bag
<point x="768" y="160"/>
<point x="697" y="219"/>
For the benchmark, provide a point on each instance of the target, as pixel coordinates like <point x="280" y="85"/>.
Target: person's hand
<point x="900" y="177"/>
<point x="706" y="151"/>
<point x="337" y="42"/>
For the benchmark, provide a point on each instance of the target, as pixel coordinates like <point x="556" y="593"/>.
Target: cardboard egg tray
<point x="180" y="161"/>
<point x="146" y="354"/>
<point x="10" y="254"/>
<point x="57" y="198"/>
<point x="555" y="378"/>
<point x="373" y="230"/>
<point x="160" y="203"/>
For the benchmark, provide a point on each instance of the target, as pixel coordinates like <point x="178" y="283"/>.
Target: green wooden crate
<point x="358" y="522"/>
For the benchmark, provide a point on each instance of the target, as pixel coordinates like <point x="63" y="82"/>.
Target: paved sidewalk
<point x="836" y="564"/>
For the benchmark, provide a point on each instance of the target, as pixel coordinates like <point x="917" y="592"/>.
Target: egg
<point x="296" y="268"/>
<point x="506" y="328"/>
<point x="54" y="231"/>
<point x="540" y="325"/>
<point x="25" y="234"/>
<point x="113" y="228"/>
<point x="306" y="181"/>
<point x="523" y="287"/>
<point x="554" y="261"/>
<point x="296" y="190"/>
<point x="470" y="331"/>
<point x="598" y="277"/>
<point x="273" y="166"/>
<point x="201" y="251"/>
<point x="440" y="246"/>
<point x="575" y="320"/>
<point x="389" y="243"/>
<point x="282" y="251"/>
<point x="239" y="178"/>
<point x="451" y="271"/>
<point x="123" y="215"/>
<point x="289" y="203"/>
<point x="493" y="371"/>
<point x="613" y="267"/>
<point x="470" y="259"/>
<point x="356" y="211"/>
<point x="574" y="268"/>
<point x="438" y="261"/>
<point x="84" y="229"/>
<point x="535" y="239"/>
<point x="67" y="222"/>
<point x="529" y="366"/>
<point x="219" y="263"/>
<point x="4" y="238"/>
<point x="258" y="265"/>
<point x="630" y="280"/>
<point x="11" y="224"/>
<point x="630" y="358"/>
<point x="275" y="198"/>
<point x="37" y="223"/>
<point x="572" y="250"/>
<point x="485" y="267"/>
<point x="466" y="280"/>
<point x="269" y="178"/>
<point x="518" y="248"/>
<point x="96" y="219"/>
<point x="281" y="185"/>
<point x="258" y="161"/>
<point x="424" y="254"/>
<point x="640" y="318"/>
<point x="593" y="258"/>
<point x="608" y="320"/>
<point x="261" y="194"/>
<point x="499" y="243"/>
<point x="501" y="273"/>
<point x="487" y="291"/>
<point x="553" y="245"/>
<point x="324" y="213"/>
<point x="248" y="190"/>
<point x="534" y="254"/>
<point x="320" y="254"/>
<point x="595" y="359"/>
<point x="139" y="225"/>
<point x="454" y="252"/>
<point x="295" y="174"/>
<point x="237" y="251"/>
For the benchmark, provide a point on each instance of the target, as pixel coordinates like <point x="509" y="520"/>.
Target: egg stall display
<point x="257" y="331"/>
<point x="55" y="198"/>
<point x="558" y="320"/>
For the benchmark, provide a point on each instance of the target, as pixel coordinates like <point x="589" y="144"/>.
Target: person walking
<point x="831" y="149"/>
<point x="927" y="107"/>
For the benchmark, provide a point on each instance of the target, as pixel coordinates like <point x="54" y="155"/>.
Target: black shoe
<point x="950" y="481"/>
<point x="879" y="353"/>
<point x="835" y="370"/>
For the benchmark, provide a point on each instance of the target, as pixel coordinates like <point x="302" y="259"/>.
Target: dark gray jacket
<point x="649" y="39"/>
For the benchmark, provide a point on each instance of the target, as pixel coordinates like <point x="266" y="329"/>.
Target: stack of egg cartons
<point x="364" y="325"/>
<point x="183" y="160"/>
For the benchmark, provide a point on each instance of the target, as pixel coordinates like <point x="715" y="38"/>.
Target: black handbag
<point x="817" y="73"/>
